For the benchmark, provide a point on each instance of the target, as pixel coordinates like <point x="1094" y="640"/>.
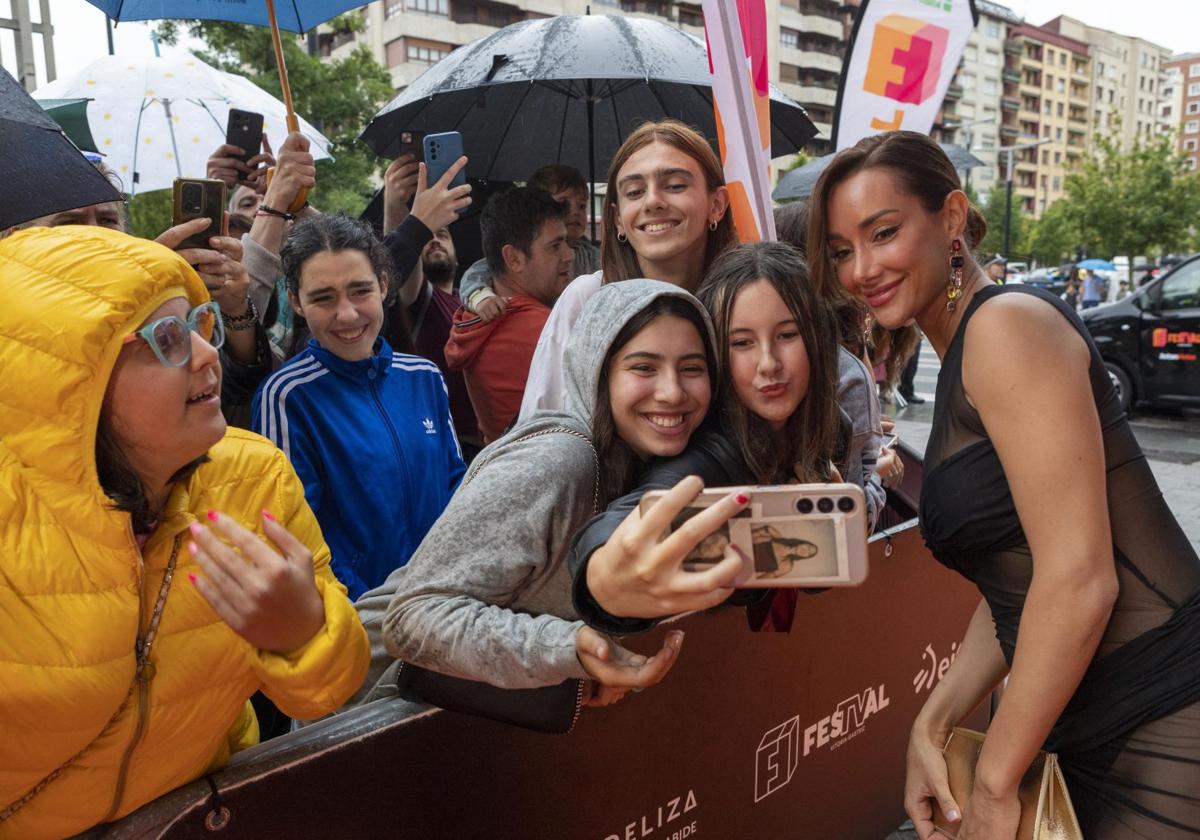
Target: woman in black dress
<point x="1036" y="490"/>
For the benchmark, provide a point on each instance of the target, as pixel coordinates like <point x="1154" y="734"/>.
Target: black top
<point x="1136" y="710"/>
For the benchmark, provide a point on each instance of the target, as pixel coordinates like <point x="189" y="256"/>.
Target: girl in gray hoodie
<point x="487" y="595"/>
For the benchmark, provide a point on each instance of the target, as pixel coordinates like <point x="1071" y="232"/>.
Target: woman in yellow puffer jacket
<point x="131" y="637"/>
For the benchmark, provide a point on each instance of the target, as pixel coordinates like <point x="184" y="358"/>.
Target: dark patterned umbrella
<point x="566" y="89"/>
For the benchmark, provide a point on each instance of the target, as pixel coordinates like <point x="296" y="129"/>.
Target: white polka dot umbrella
<point x="158" y="118"/>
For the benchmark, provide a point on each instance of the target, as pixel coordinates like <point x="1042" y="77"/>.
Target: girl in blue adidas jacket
<point x="368" y="430"/>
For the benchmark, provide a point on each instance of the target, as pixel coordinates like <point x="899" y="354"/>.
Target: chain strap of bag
<point x="143" y="671"/>
<point x="479" y="463"/>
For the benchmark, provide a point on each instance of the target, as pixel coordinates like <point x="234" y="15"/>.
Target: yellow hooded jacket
<point x="71" y="573"/>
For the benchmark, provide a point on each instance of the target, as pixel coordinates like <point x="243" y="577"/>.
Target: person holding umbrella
<point x="665" y="218"/>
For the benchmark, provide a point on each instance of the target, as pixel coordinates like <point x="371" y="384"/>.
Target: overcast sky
<point x="79" y="27"/>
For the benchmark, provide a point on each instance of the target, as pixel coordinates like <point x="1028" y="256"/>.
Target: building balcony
<point x="808" y="21"/>
<point x="1010" y="131"/>
<point x="1014" y="47"/>
<point x="1010" y="103"/>
<point x="1077" y="129"/>
<point x="954" y="91"/>
<point x="1011" y="76"/>
<point x="811" y="59"/>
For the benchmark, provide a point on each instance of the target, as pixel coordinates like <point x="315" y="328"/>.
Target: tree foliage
<point x="1019" y="227"/>
<point x="1139" y="202"/>
<point x="339" y="97"/>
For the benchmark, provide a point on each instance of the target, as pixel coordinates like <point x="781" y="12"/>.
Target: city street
<point x="1169" y="437"/>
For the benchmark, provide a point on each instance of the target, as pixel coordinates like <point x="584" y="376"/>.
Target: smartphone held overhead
<point x="244" y="130"/>
<point x="795" y="535"/>
<point x="441" y="152"/>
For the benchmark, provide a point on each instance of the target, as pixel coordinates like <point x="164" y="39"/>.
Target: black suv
<point x="1150" y="341"/>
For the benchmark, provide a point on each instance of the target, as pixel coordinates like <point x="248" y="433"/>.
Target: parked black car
<point x="1150" y="341"/>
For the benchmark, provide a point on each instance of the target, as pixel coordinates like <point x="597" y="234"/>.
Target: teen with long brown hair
<point x="779" y="423"/>
<point x="665" y="218"/>
<point x="1037" y="491"/>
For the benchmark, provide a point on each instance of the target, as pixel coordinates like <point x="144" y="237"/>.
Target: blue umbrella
<point x="1097" y="265"/>
<point x="293" y="15"/>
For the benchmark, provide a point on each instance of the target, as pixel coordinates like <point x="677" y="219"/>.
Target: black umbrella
<point x="566" y="89"/>
<point x="799" y="183"/>
<point x="41" y="170"/>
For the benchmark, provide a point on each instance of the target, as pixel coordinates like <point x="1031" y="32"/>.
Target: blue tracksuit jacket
<point x="374" y="445"/>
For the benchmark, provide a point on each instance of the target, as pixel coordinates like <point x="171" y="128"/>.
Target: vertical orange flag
<point x="737" y="58"/>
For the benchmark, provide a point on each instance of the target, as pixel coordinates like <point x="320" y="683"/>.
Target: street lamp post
<point x="1008" y="184"/>
<point x="970" y="135"/>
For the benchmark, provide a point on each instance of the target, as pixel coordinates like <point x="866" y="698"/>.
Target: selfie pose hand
<point x="634" y="574"/>
<point x="618" y="671"/>
<point x="267" y="596"/>
<point x="438" y="205"/>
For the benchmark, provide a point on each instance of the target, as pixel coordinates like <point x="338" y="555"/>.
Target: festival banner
<point x="737" y="58"/>
<point x="902" y="57"/>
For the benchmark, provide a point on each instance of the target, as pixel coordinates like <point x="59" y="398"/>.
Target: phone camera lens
<point x="845" y="504"/>
<point x="804" y="506"/>
<point x="191" y="198"/>
<point x="825" y="505"/>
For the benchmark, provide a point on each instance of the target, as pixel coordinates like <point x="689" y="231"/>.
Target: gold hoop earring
<point x="622" y="237"/>
<point x="712" y="225"/>
<point x="954" y="290"/>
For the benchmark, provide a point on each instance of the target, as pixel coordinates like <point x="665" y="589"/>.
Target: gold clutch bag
<point x="1046" y="812"/>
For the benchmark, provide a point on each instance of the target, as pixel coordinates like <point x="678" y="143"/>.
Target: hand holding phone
<point x="199" y="198"/>
<point x="244" y="130"/>
<point x="639" y="574"/>
<point x="793" y="535"/>
<point x="442" y="153"/>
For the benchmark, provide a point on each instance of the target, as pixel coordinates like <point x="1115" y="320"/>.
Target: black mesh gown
<point x="1129" y="739"/>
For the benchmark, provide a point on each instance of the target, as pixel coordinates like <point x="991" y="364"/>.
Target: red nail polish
<point x="741" y="498"/>
<point x="192" y="578"/>
<point x="268" y="515"/>
<point x="212" y="515"/>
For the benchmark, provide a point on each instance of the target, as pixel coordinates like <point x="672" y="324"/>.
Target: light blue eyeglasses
<point x="171" y="338"/>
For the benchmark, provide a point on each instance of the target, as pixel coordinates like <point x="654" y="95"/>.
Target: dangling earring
<point x="868" y="326"/>
<point x="622" y="237"/>
<point x="954" y="290"/>
<point x="712" y="225"/>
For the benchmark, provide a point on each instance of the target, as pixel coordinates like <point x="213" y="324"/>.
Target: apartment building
<point x="979" y="83"/>
<point x="1182" y="113"/>
<point x="806" y="38"/>
<point x="1127" y="80"/>
<point x="1046" y="98"/>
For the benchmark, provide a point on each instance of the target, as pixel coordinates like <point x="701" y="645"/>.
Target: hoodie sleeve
<point x="450" y="610"/>
<point x="475" y="281"/>
<point x="545" y="387"/>
<point x="318" y="677"/>
<point x="858" y="398"/>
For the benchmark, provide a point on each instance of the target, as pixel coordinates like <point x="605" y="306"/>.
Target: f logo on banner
<point x="906" y="59"/>
<point x="776" y="759"/>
